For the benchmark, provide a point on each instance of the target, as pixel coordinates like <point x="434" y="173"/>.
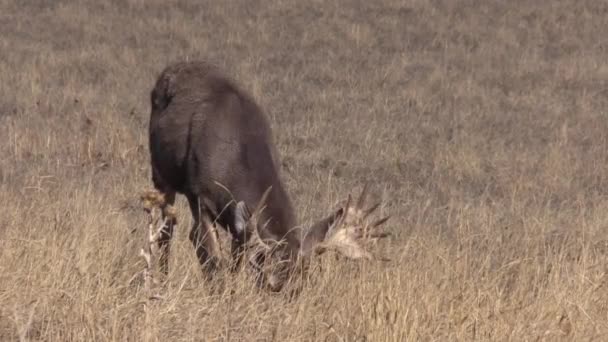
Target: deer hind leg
<point x="164" y="239"/>
<point x="204" y="237"/>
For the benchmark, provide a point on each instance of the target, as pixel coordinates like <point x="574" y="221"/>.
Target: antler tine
<point x="344" y="214"/>
<point x="372" y="230"/>
<point x="380" y="221"/>
<point x="370" y="210"/>
<point x="362" y="197"/>
<point x="259" y="241"/>
<point x="262" y="202"/>
<point x="254" y="216"/>
<point x="347" y="205"/>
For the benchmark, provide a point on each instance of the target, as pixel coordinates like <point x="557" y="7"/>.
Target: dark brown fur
<point x="211" y="142"/>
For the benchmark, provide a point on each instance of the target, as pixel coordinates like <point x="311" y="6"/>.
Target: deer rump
<point x="211" y="142"/>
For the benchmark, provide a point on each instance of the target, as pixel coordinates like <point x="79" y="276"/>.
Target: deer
<point x="210" y="142"/>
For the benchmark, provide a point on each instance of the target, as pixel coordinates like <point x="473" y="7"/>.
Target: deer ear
<point x="336" y="218"/>
<point x="318" y="231"/>
<point x="241" y="217"/>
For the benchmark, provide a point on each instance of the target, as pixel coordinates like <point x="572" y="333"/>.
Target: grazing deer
<point x="211" y="142"/>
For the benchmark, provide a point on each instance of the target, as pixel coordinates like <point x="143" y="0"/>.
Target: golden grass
<point x="483" y="125"/>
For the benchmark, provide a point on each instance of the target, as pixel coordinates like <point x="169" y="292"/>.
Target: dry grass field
<point x="482" y="125"/>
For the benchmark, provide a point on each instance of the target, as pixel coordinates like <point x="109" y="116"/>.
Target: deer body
<point x="212" y="143"/>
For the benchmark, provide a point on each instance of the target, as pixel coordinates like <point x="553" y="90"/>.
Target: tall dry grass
<point x="482" y="124"/>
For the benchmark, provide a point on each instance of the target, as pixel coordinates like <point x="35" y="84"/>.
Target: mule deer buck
<point x="211" y="142"/>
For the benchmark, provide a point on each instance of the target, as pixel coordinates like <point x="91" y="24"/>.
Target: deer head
<point x="346" y="231"/>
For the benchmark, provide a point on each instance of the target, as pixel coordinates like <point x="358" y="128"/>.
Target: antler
<point x="258" y="249"/>
<point x="352" y="228"/>
<point x="247" y="223"/>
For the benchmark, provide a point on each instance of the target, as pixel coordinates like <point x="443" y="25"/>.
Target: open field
<point x="483" y="125"/>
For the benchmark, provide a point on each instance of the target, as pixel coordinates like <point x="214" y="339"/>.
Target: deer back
<point x="208" y="138"/>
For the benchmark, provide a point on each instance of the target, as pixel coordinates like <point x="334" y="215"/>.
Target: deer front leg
<point x="204" y="237"/>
